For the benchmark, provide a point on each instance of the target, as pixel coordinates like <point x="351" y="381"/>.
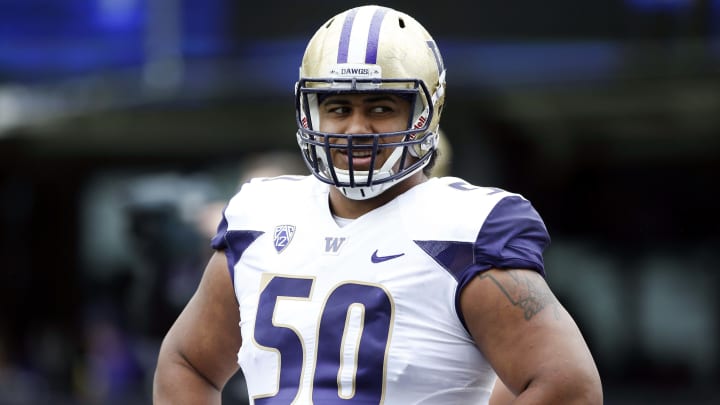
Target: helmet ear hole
<point x="401" y="23"/>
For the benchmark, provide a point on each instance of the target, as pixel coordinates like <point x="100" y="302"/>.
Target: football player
<point x="370" y="281"/>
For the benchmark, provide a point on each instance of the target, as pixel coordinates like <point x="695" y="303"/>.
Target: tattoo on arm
<point x="522" y="292"/>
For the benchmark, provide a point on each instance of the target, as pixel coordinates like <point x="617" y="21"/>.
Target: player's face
<point x="363" y="114"/>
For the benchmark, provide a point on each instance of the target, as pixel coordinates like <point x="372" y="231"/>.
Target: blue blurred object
<point x="45" y="39"/>
<point x="501" y="64"/>
<point x="661" y="5"/>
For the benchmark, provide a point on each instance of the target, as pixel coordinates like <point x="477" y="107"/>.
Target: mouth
<point x="360" y="158"/>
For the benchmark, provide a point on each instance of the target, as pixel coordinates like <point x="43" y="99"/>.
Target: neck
<point x="348" y="208"/>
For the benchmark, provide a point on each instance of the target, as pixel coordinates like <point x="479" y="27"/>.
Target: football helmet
<point x="370" y="49"/>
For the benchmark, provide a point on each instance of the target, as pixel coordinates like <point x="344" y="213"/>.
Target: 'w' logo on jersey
<point x="283" y="236"/>
<point x="333" y="245"/>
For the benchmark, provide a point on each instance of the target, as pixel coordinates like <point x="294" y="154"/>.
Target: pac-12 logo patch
<point x="283" y="236"/>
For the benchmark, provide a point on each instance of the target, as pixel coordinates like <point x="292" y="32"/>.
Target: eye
<point x="381" y="109"/>
<point x="337" y="109"/>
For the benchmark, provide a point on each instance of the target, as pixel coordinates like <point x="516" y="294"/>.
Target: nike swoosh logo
<point x="379" y="259"/>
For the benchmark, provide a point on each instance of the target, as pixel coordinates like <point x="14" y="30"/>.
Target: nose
<point x="358" y="123"/>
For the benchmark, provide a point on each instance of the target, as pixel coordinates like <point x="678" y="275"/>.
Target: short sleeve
<point x="512" y="236"/>
<point x="219" y="242"/>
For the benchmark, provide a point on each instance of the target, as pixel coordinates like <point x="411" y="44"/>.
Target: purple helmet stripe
<point x="345" y="36"/>
<point x="374" y="35"/>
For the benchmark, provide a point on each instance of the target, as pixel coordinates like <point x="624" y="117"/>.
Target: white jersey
<point x="368" y="313"/>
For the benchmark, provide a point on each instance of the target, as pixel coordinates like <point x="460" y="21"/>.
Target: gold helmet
<point x="364" y="50"/>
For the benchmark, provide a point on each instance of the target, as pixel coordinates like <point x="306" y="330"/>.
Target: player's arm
<point x="531" y="341"/>
<point x="199" y="353"/>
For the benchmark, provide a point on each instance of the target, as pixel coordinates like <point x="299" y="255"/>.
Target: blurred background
<point x="125" y="125"/>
